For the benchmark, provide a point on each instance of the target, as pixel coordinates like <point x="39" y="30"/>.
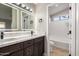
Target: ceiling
<point x="57" y="7"/>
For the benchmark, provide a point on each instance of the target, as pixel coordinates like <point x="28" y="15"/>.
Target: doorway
<point x="59" y="29"/>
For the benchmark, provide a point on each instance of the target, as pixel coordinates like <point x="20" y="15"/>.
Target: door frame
<point x="73" y="29"/>
<point x="77" y="29"/>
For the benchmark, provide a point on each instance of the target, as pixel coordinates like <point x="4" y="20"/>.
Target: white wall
<point x="41" y="13"/>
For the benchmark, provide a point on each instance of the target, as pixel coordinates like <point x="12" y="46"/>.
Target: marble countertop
<point x="13" y="40"/>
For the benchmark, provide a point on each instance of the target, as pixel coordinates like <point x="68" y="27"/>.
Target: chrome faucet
<point x="32" y="32"/>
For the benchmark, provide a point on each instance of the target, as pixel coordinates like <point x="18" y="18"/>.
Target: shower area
<point x="59" y="32"/>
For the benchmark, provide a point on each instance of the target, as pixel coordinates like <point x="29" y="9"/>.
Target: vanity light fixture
<point x="21" y="5"/>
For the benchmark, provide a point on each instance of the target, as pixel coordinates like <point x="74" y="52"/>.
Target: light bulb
<point x="30" y="9"/>
<point x="18" y="3"/>
<point x="23" y="5"/>
<point x="27" y="8"/>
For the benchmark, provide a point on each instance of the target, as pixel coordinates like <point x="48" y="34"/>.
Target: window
<point x="56" y="18"/>
<point x="65" y="17"/>
<point x="60" y="18"/>
<point x="2" y="25"/>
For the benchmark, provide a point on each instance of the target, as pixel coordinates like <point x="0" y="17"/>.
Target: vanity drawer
<point x="28" y="43"/>
<point x="11" y="48"/>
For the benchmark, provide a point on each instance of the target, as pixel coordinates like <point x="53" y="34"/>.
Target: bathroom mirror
<point x="26" y="20"/>
<point x="8" y="17"/>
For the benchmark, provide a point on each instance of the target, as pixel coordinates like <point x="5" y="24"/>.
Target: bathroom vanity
<point x="32" y="46"/>
<point x="17" y="43"/>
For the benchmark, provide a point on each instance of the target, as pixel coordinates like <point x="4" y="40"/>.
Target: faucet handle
<point x="2" y="33"/>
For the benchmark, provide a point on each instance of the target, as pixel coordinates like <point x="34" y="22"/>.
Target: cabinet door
<point x="28" y="51"/>
<point x="17" y="53"/>
<point x="41" y="48"/>
<point x="36" y="49"/>
<point x="11" y="49"/>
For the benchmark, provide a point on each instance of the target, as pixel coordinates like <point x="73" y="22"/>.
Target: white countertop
<point x="18" y="39"/>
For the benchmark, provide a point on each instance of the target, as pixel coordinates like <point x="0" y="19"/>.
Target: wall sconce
<point x="40" y="20"/>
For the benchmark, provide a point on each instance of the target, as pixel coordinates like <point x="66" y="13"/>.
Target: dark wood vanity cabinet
<point x="12" y="50"/>
<point x="28" y="51"/>
<point x="39" y="46"/>
<point x="28" y="48"/>
<point x="17" y="53"/>
<point x="34" y="47"/>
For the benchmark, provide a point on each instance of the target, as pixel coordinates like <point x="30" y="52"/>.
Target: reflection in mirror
<point x="27" y="21"/>
<point x="8" y="17"/>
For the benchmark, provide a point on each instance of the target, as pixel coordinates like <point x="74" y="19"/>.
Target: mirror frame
<point x="25" y="11"/>
<point x="8" y="5"/>
<point x="22" y="19"/>
<point x="21" y="10"/>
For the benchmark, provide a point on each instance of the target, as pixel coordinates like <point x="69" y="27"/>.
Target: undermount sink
<point x="7" y="40"/>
